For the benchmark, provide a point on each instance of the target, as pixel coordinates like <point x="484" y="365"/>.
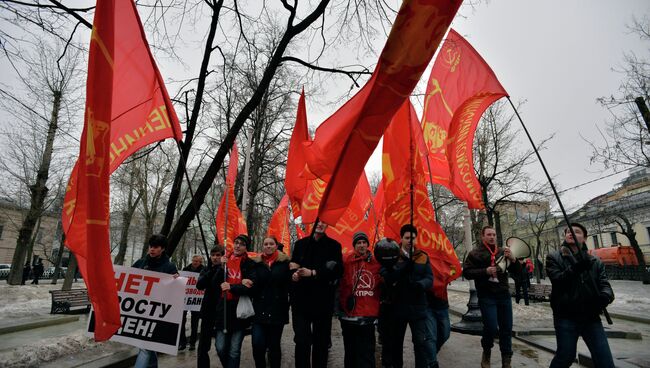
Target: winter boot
<point x="485" y="359"/>
<point x="506" y="360"/>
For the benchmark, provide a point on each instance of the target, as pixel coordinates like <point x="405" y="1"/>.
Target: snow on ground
<point x="24" y="301"/>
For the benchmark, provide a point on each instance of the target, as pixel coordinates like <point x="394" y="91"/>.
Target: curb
<point x="51" y="321"/>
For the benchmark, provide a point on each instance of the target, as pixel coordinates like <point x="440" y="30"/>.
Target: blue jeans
<point x="422" y="342"/>
<point x="567" y="332"/>
<point x="228" y="347"/>
<point x="439" y="328"/>
<point x="146" y="359"/>
<point x="497" y="315"/>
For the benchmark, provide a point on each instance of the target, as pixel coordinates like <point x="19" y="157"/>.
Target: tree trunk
<point x="497" y="227"/>
<point x="127" y="216"/>
<point x="38" y="192"/>
<point x="59" y="255"/>
<point x="69" y="274"/>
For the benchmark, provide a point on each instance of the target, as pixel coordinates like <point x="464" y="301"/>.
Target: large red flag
<point x="346" y="140"/>
<point x="460" y="88"/>
<point x="230" y="222"/>
<point x="127" y="108"/>
<point x="403" y="172"/>
<point x="295" y="182"/>
<point x="279" y="224"/>
<point x="353" y="218"/>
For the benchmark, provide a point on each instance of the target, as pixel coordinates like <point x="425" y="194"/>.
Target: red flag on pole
<point x="460" y="88"/>
<point x="346" y="140"/>
<point x="230" y="222"/>
<point x="127" y="108"/>
<point x="279" y="224"/>
<point x="295" y="182"/>
<point x="403" y="172"/>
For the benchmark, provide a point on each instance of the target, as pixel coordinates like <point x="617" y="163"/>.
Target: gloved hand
<point x="604" y="300"/>
<point x="582" y="265"/>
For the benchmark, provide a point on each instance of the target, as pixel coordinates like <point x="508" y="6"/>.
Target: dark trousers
<point x="312" y="338"/>
<point x="205" y="341"/>
<point x="392" y="336"/>
<point x="521" y="288"/>
<point x="497" y="315"/>
<point x="194" y="327"/>
<point x="263" y="337"/>
<point x="359" y="345"/>
<point x="567" y="332"/>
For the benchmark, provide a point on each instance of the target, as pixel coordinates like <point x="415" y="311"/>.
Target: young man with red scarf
<point x="239" y="280"/>
<point x="359" y="302"/>
<point x="271" y="303"/>
<point x="493" y="294"/>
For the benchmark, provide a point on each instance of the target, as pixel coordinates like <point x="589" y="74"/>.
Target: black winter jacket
<point x="574" y="295"/>
<point x="406" y="285"/>
<point x="232" y="322"/>
<point x="192" y="269"/>
<point x="315" y="295"/>
<point x="160" y="264"/>
<point x="475" y="266"/>
<point x="212" y="294"/>
<point x="271" y="292"/>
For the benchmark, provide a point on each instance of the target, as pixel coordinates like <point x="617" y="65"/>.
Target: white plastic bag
<point x="245" y="307"/>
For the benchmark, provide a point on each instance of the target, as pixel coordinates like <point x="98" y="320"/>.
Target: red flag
<point x="230" y="222"/>
<point x="295" y="183"/>
<point x="346" y="140"/>
<point x="279" y="224"/>
<point x="127" y="108"/>
<point x="353" y="218"/>
<point x="403" y="172"/>
<point x="460" y="88"/>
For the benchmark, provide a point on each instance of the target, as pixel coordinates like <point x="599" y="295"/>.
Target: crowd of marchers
<point x="374" y="294"/>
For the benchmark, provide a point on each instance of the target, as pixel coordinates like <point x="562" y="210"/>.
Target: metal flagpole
<point x="557" y="196"/>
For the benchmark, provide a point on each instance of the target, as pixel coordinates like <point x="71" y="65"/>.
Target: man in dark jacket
<point x="239" y="280"/>
<point x="156" y="260"/>
<point x="38" y="271"/>
<point x="210" y="280"/>
<point x="195" y="266"/>
<point x="522" y="284"/>
<point x="26" y="271"/>
<point x="405" y="303"/>
<point x="493" y="293"/>
<point x="580" y="292"/>
<point x="317" y="264"/>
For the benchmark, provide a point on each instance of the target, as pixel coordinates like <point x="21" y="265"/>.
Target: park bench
<point x="63" y="300"/>
<point x="537" y="292"/>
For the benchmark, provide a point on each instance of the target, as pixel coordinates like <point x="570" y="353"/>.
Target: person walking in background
<point x="580" y="292"/>
<point x="317" y="265"/>
<point x="239" y="280"/>
<point x="493" y="294"/>
<point x="38" y="271"/>
<point x="195" y="266"/>
<point x="26" y="271"/>
<point x="522" y="283"/>
<point x="438" y="321"/>
<point x="156" y="260"/>
<point x="209" y="280"/>
<point x="359" y="303"/>
<point x="271" y="303"/>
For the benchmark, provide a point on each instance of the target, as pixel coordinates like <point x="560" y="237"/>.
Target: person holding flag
<point x="239" y="280"/>
<point x="317" y="264"/>
<point x="271" y="303"/>
<point x="493" y="294"/>
<point x="209" y="280"/>
<point x="195" y="266"/>
<point x="406" y="303"/>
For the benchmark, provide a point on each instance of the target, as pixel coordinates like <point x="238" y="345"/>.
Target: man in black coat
<point x="195" y="266"/>
<point x="156" y="260"/>
<point x="580" y="292"/>
<point x="317" y="264"/>
<point x="209" y="280"/>
<point x="38" y="271"/>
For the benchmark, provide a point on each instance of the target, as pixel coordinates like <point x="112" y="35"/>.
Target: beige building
<point x="46" y="242"/>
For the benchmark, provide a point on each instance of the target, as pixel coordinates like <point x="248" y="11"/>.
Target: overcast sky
<point x="558" y="55"/>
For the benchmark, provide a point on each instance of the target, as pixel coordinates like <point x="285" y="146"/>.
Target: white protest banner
<point x="193" y="296"/>
<point x="151" y="308"/>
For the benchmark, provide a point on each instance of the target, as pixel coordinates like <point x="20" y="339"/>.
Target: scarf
<point x="234" y="276"/>
<point x="492" y="253"/>
<point x="270" y="258"/>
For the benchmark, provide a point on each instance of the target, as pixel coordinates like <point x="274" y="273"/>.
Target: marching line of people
<point x="390" y="289"/>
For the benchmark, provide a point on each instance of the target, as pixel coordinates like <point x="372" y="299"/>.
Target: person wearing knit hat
<point x="359" y="303"/>
<point x="245" y="239"/>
